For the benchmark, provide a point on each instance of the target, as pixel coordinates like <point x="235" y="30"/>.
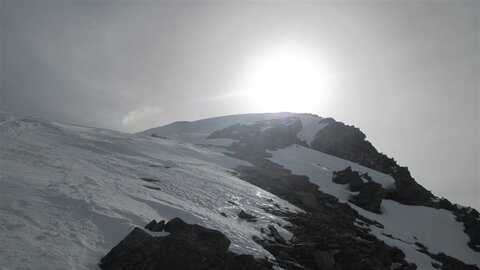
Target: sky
<point x="407" y="73"/>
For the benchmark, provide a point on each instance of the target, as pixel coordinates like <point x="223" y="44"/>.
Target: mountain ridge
<point x="98" y="184"/>
<point x="340" y="140"/>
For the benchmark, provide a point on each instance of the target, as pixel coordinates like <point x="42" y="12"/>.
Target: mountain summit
<point x="295" y="191"/>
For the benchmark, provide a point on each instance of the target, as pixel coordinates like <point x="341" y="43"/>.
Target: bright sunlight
<point x="289" y="78"/>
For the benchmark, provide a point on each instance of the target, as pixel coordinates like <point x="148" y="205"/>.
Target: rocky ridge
<point x="327" y="236"/>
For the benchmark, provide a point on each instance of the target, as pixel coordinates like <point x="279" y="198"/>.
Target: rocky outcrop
<point x="470" y="219"/>
<point x="248" y="217"/>
<point x="370" y="194"/>
<point x="187" y="246"/>
<point x="322" y="241"/>
<point x="154" y="226"/>
<point x="370" y="197"/>
<point x="349" y="143"/>
<point x="256" y="138"/>
<point x="447" y="262"/>
<point x="325" y="237"/>
<point x="346" y="142"/>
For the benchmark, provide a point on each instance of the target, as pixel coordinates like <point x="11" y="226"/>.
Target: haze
<point x="406" y="73"/>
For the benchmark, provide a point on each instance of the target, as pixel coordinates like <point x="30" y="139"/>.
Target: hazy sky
<point x="407" y="73"/>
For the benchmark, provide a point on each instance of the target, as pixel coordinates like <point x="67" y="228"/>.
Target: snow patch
<point x="319" y="167"/>
<point x="310" y="127"/>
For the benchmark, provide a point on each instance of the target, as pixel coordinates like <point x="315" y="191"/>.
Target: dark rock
<point x="471" y="221"/>
<point x="186" y="247"/>
<point x="150" y="180"/>
<point x="131" y="252"/>
<point x="274" y="233"/>
<point x="352" y="178"/>
<point x="232" y="203"/>
<point x="343" y="177"/>
<point x="306" y="199"/>
<point x="324" y="260"/>
<point x="151" y="225"/>
<point x="356" y="184"/>
<point x="420" y="245"/>
<point x="159" y="226"/>
<point x="370" y="194"/>
<point x="348" y="142"/>
<point x="151" y="187"/>
<point x="256" y="138"/>
<point x="175" y="225"/>
<point x="370" y="197"/>
<point x="247" y="217"/>
<point x="449" y="263"/>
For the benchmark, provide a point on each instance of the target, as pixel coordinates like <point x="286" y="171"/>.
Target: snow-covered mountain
<point x="69" y="194"/>
<point x="404" y="214"/>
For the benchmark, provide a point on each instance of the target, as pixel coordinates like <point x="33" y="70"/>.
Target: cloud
<point x="139" y="116"/>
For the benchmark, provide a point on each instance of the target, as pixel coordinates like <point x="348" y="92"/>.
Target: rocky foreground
<point x="182" y="246"/>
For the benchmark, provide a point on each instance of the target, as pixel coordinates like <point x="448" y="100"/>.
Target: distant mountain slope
<point x="405" y="214"/>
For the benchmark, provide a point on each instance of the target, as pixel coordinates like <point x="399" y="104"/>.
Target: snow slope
<point x="68" y="194"/>
<point x="319" y="167"/>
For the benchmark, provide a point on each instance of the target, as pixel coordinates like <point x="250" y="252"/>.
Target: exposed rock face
<point x="447" y="261"/>
<point x="186" y="247"/>
<point x="154" y="226"/>
<point x="255" y="139"/>
<point x="370" y="194"/>
<point x="324" y="260"/>
<point x="328" y="226"/>
<point x="332" y="243"/>
<point x="370" y="197"/>
<point x="348" y="142"/>
<point x="325" y="237"/>
<point x="344" y="141"/>
<point x="469" y="217"/>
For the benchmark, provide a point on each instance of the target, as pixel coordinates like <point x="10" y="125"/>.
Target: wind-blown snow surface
<point x="68" y="194"/>
<point x="437" y="229"/>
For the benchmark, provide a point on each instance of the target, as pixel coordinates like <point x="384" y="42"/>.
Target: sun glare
<point x="289" y="79"/>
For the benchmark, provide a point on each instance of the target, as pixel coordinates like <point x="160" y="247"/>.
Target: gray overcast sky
<point x="407" y="73"/>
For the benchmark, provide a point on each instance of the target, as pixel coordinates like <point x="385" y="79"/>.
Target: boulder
<point x="154" y="226"/>
<point x="174" y="225"/>
<point x="151" y="225"/>
<point x="159" y="227"/>
<point x="243" y="215"/>
<point x="188" y="246"/>
<point x="370" y="197"/>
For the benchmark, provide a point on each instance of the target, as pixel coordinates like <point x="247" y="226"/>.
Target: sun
<point x="289" y="78"/>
